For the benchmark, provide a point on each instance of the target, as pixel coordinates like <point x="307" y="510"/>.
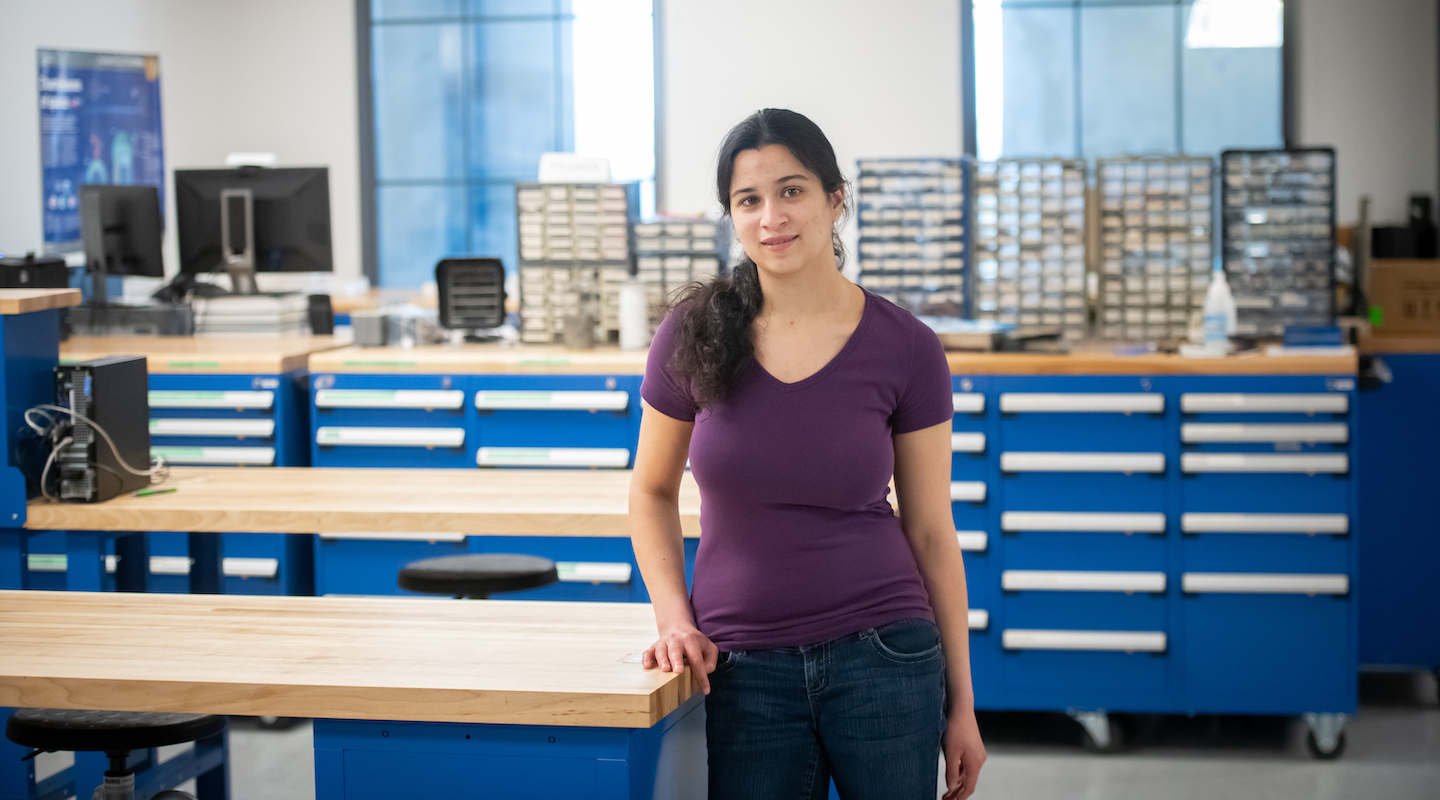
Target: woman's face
<point x="782" y="215"/>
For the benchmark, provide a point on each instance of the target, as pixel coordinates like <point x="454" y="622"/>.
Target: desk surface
<point x="209" y="354"/>
<point x="335" y="500"/>
<point x="552" y="360"/>
<point x="25" y="301"/>
<point x="500" y="661"/>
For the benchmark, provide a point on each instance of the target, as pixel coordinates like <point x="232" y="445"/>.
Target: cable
<point x="156" y="469"/>
<point x="45" y="473"/>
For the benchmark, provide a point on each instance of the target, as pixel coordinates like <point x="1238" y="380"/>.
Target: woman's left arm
<point x="922" y="489"/>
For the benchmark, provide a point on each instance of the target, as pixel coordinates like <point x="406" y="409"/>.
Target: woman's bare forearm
<point x="660" y="551"/>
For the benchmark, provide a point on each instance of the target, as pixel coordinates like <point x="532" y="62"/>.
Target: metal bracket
<point x="1327" y="728"/>
<point x="1095" y="723"/>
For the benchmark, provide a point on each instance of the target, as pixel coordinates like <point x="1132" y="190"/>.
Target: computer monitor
<point x="121" y="228"/>
<point x="253" y="219"/>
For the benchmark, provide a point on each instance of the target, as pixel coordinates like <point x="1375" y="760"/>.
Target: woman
<point x="817" y="619"/>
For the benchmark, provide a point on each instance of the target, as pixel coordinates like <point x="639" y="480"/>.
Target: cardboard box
<point x="1404" y="297"/>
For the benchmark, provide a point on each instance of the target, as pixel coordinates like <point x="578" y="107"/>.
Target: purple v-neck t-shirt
<point x="798" y="542"/>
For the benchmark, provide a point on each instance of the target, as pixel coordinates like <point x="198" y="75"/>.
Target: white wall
<point x="1366" y="83"/>
<point x="880" y="78"/>
<point x="260" y="75"/>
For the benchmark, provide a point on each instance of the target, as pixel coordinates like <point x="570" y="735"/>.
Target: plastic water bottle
<point x="1219" y="313"/>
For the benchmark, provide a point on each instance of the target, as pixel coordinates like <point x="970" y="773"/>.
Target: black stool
<point x="114" y="733"/>
<point x="478" y="575"/>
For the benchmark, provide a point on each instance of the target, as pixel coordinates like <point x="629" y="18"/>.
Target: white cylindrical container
<point x="1219" y="313"/>
<point x="634" y="316"/>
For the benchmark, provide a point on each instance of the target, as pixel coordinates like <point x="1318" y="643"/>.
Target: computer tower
<point x="113" y="393"/>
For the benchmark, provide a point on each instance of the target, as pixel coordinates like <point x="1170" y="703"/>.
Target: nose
<point x="772" y="216"/>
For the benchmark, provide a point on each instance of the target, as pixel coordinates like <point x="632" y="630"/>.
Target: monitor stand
<point x="239" y="264"/>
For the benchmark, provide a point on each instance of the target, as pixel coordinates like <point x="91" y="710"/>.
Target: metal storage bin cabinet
<point x="1173" y="544"/>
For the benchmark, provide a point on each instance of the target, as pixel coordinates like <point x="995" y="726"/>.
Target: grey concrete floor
<point x="1392" y="752"/>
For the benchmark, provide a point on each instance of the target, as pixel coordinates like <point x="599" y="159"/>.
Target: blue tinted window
<point x="418" y="226"/>
<point x="418" y="98"/>
<point x="1127" y="80"/>
<point x="515" y="110"/>
<point x="413" y="9"/>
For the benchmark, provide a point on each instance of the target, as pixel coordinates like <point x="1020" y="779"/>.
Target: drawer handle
<point x="967" y="442"/>
<point x="1121" y="403"/>
<point x="593" y="571"/>
<point x="1264" y="523"/>
<point x="979" y="619"/>
<point x="968" y="402"/>
<point x="1320" y="403"/>
<point x="161" y="398"/>
<point x="448" y="399"/>
<point x="1265" y="462"/>
<point x="1330" y="432"/>
<point x="552" y="401"/>
<point x="967" y="491"/>
<point x="1110" y="641"/>
<point x="395" y="536"/>
<point x="1263" y="583"/>
<point x="232" y="567"/>
<point x="973" y="541"/>
<point x="334" y="436"/>
<point x="239" y="428"/>
<point x="1016" y="580"/>
<point x="1118" y="522"/>
<point x="606" y="457"/>
<point x="1082" y="462"/>
<point x="255" y="456"/>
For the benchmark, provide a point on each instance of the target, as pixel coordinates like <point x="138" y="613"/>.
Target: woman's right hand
<point x="678" y="645"/>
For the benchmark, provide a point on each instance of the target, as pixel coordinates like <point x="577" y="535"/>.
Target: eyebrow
<point x="785" y="179"/>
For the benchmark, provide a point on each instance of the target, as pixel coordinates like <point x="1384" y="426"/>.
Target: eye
<point x="791" y="191"/>
<point x="748" y="200"/>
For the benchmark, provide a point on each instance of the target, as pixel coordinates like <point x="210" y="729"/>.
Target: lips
<point x="778" y="241"/>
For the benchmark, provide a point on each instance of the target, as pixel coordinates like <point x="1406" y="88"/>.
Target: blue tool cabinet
<point x="1399" y="537"/>
<point x="1167" y="544"/>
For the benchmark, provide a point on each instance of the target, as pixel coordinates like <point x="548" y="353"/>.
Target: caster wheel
<point x="276" y="723"/>
<point x="1115" y="745"/>
<point x="1314" y="747"/>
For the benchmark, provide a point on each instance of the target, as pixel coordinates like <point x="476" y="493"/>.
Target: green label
<point x="544" y="361"/>
<point x="378" y="363"/>
<point x="1377" y="316"/>
<point x="46" y="562"/>
<point x="512" y="396"/>
<point x="362" y="393"/>
<point x="192" y="364"/>
<point x="531" y="454"/>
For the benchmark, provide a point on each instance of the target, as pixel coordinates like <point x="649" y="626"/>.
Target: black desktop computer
<point x="251" y="219"/>
<point x="111" y="393"/>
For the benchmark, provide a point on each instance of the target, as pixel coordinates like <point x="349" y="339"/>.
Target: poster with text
<point x="99" y="123"/>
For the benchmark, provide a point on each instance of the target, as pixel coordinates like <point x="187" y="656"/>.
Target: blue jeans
<point x="866" y="710"/>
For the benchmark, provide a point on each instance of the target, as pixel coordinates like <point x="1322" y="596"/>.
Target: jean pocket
<point x="725" y="663"/>
<point x="906" y="641"/>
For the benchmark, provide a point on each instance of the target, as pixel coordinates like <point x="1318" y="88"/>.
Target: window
<point x="463" y="97"/>
<point x="1095" y="78"/>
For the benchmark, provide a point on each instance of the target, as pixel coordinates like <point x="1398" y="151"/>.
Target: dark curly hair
<point x="714" y="341"/>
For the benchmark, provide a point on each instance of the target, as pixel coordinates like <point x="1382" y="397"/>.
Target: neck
<point x="809" y="293"/>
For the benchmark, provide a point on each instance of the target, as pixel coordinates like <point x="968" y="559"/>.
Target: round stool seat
<point x="109" y="731"/>
<point x="478" y="575"/>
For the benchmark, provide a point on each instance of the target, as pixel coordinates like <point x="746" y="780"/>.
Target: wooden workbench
<point x="512" y="662"/>
<point x="553" y="360"/>
<point x="28" y="301"/>
<point x="315" y="500"/>
<point x="242" y="353"/>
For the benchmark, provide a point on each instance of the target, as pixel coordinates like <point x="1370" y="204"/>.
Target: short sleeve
<point x="927" y="398"/>
<point x="660" y="388"/>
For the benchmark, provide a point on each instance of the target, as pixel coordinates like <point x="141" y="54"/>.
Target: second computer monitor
<point x="288" y="219"/>
<point x="121" y="228"/>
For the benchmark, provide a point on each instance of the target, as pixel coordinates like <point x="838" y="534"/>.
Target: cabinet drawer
<point x="973" y="541"/>
<point x="969" y="402"/>
<point x="1110" y="641"/>
<point x="537" y="400"/>
<point x="967" y="442"/>
<point x="338" y="436"/>
<point x="1012" y="580"/>
<point x="967" y="491"/>
<point x="370" y="563"/>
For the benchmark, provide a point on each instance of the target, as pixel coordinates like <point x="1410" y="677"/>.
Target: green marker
<point x="148" y="492"/>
